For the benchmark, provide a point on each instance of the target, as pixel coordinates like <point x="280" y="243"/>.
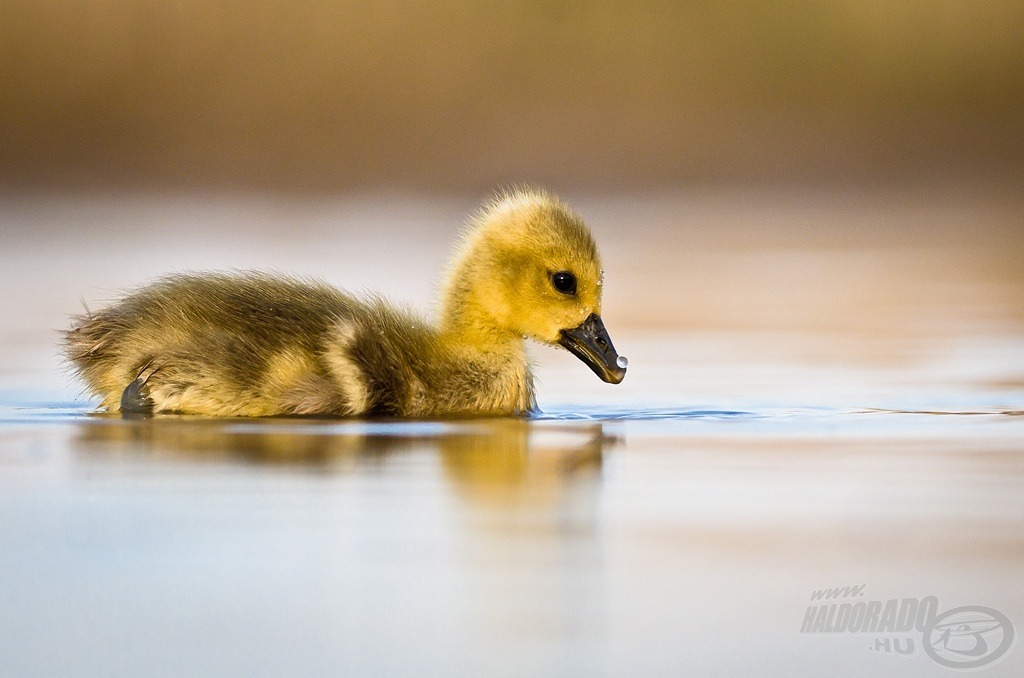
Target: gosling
<point x="255" y="344"/>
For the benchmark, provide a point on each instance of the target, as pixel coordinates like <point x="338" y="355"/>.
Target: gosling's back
<point x="248" y="345"/>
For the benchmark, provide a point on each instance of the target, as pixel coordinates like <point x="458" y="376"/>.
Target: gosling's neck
<point x="471" y="316"/>
<point x="465" y="322"/>
<point x="490" y="356"/>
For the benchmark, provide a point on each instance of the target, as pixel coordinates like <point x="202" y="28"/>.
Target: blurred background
<point x="849" y="171"/>
<point x="310" y="95"/>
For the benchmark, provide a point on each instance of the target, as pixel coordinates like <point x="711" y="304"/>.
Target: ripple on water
<point x="58" y="411"/>
<point x="769" y="421"/>
<point x="643" y="414"/>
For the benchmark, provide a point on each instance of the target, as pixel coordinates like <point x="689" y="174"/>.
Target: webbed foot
<point x="135" y="398"/>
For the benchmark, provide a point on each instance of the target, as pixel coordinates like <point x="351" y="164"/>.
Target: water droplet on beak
<point x="622" y="362"/>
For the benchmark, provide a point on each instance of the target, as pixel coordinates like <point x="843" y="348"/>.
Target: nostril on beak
<point x="602" y="343"/>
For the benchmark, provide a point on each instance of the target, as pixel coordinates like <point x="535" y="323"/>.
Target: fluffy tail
<point x="89" y="346"/>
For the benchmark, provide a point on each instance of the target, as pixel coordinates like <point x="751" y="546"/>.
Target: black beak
<point x="590" y="343"/>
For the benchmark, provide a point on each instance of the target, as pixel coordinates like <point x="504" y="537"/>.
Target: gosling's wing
<point x="383" y="358"/>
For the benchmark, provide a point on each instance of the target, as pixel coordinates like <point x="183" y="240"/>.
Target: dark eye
<point x="564" y="282"/>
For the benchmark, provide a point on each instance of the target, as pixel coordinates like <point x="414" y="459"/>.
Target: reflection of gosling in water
<point x="257" y="344"/>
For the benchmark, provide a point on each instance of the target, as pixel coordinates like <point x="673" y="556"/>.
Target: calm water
<point x="678" y="524"/>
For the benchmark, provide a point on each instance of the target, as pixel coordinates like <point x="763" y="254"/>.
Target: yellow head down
<point x="528" y="267"/>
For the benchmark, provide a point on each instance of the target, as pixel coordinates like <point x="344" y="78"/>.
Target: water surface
<point x="823" y="432"/>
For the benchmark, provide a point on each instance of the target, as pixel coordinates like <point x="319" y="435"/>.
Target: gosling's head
<point x="529" y="267"/>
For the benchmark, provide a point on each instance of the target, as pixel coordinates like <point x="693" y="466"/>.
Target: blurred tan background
<point x="458" y="97"/>
<point x="827" y="180"/>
